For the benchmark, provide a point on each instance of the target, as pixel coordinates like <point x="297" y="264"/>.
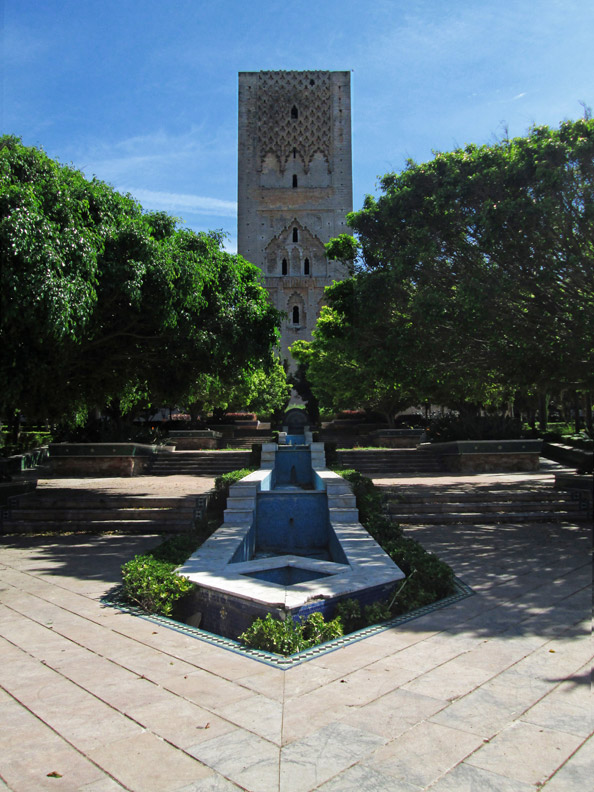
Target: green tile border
<point x="114" y="599"/>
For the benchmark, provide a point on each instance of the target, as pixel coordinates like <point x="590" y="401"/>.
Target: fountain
<point x="290" y="544"/>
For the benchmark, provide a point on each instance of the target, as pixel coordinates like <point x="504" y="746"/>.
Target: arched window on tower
<point x="284" y="267"/>
<point x="306" y="267"/>
<point x="295" y="314"/>
<point x="294" y="112"/>
<point x="295" y="235"/>
<point x="294" y="180"/>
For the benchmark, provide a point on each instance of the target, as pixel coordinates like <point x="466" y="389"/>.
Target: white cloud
<point x="519" y="96"/>
<point x="178" y="202"/>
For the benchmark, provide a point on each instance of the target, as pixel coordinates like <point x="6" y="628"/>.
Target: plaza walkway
<point x="489" y="694"/>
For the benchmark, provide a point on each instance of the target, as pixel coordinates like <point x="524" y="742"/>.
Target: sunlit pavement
<point x="490" y="693"/>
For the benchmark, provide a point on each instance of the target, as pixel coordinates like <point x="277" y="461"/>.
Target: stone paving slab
<point x="491" y="693"/>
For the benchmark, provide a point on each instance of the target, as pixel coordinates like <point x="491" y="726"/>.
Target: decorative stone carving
<point x="294" y="124"/>
<point x="294" y="116"/>
<point x="282" y="247"/>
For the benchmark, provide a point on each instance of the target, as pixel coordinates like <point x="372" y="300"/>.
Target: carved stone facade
<point x="295" y="186"/>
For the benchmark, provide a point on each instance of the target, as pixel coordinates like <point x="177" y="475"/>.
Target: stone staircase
<point x="61" y="511"/>
<point x="388" y="462"/>
<point x="483" y="504"/>
<point x="198" y="463"/>
<point x="248" y="442"/>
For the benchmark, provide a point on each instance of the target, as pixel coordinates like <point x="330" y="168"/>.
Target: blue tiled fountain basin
<point x="287" y="575"/>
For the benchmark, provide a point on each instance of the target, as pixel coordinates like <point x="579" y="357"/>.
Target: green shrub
<point x="28" y="441"/>
<point x="377" y="612"/>
<point x="349" y="614"/>
<point x="176" y="549"/>
<point x="428" y="579"/>
<point x="448" y="428"/>
<point x="370" y="505"/>
<point x="153" y="585"/>
<point x="218" y="500"/>
<point x="289" y="636"/>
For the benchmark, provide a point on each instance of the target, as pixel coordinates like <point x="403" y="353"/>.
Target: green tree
<point x="103" y="303"/>
<point x="261" y="390"/>
<point x="479" y="279"/>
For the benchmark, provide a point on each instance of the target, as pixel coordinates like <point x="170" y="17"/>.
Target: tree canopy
<point x="478" y="279"/>
<point x="102" y="302"/>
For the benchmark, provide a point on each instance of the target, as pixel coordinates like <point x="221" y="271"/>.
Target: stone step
<point x="95" y="526"/>
<point x="248" y="442"/>
<point x="241" y="457"/>
<point x="389" y="462"/>
<point x="336" y="501"/>
<point x="482" y="518"/>
<point x="205" y="472"/>
<point x="482" y="506"/>
<point x="241" y="502"/>
<point x="39" y="500"/>
<point x="344" y="515"/>
<point x="203" y="467"/>
<point x="393" y="461"/>
<point x="477" y="497"/>
<point x="40" y="515"/>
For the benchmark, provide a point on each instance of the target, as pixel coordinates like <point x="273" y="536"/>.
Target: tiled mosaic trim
<point x="115" y="599"/>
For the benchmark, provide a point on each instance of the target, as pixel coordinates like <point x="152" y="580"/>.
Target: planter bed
<point x="486" y="456"/>
<point x="100" y="459"/>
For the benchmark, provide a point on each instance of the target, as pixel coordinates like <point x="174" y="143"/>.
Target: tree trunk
<point x="14" y="426"/>
<point x="588" y="411"/>
<point x="195" y="409"/>
<point x="576" y="412"/>
<point x="542" y="411"/>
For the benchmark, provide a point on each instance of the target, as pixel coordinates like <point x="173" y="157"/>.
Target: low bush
<point x="150" y="581"/>
<point x="176" y="549"/>
<point x="428" y="579"/>
<point x="290" y="636"/>
<point x="369" y="499"/>
<point x="28" y="441"/>
<point x="448" y="428"/>
<point x="218" y="500"/>
<point x="348" y="612"/>
<point x="153" y="585"/>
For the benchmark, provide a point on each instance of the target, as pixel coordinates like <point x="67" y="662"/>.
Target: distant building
<point x="295" y="185"/>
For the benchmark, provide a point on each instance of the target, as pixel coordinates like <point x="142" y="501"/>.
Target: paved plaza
<point x="491" y="694"/>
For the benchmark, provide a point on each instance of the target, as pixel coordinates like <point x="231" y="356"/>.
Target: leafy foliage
<point x="428" y="579"/>
<point x="104" y="304"/>
<point x="467" y="427"/>
<point x="290" y="636"/>
<point x="218" y="500"/>
<point x="479" y="281"/>
<point x="153" y="585"/>
<point x="262" y="389"/>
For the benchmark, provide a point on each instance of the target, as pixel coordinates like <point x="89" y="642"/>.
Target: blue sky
<point x="143" y="94"/>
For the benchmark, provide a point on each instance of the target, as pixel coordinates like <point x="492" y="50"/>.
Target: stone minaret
<point x="295" y="186"/>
